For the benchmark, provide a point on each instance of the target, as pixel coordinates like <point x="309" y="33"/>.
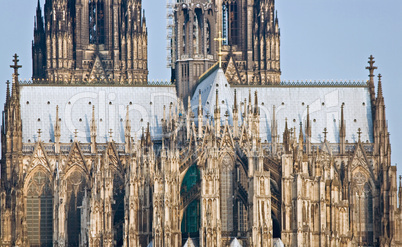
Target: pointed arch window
<point x="227" y="197"/>
<point x="118" y="208"/>
<point x="96" y="22"/>
<point x="230" y="23"/>
<point x="39" y="210"/>
<point x="363" y="210"/>
<point x="76" y="186"/>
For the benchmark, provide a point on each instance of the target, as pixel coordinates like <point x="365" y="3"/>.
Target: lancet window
<point x="363" y="210"/>
<point x="96" y="22"/>
<point x="227" y="197"/>
<point x="76" y="186"/>
<point x="40" y="210"/>
<point x="230" y="26"/>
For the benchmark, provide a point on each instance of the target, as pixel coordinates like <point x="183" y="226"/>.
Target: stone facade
<point x="106" y="164"/>
<point x="91" y="40"/>
<point x="251" y="49"/>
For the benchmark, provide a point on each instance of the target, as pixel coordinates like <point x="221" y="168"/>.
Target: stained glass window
<point x="227" y="194"/>
<point x="40" y="211"/>
<point x="76" y="185"/>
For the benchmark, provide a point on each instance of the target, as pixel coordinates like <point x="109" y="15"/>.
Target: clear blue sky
<point x="320" y="40"/>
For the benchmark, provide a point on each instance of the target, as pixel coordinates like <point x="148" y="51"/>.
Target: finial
<point x="15" y="66"/>
<point x="227" y="114"/>
<point x="325" y="134"/>
<point x="75" y="134"/>
<point x="39" y="134"/>
<point x="359" y="133"/>
<point x="371" y="68"/>
<point x="217" y="99"/>
<point x="379" y="94"/>
<point x="220" y="39"/>
<point x="110" y="134"/>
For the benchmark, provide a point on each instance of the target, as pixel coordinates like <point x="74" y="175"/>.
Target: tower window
<point x="96" y="22"/>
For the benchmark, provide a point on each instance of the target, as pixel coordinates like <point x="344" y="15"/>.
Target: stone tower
<point x="88" y="40"/>
<point x="251" y="46"/>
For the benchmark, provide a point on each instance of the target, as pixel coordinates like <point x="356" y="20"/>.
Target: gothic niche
<point x="189" y="192"/>
<point x="76" y="186"/>
<point x="39" y="210"/>
<point x="118" y="209"/>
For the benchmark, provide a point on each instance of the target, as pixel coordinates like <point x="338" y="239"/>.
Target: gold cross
<point x="39" y="132"/>
<point x="220" y="39"/>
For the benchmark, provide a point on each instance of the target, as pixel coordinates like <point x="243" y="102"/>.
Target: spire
<point x="217" y="114"/>
<point x="301" y="138"/>
<point x="8" y="93"/>
<point x="57" y="126"/>
<point x="286" y="137"/>
<point x="127" y="131"/>
<point x="199" y="103"/>
<point x="274" y="131"/>
<point x="235" y="101"/>
<point x="379" y="93"/>
<point x="256" y="103"/>
<point x="15" y="66"/>
<point x="93" y="129"/>
<point x="342" y="131"/>
<point x="148" y="136"/>
<point x="57" y="132"/>
<point x="200" y="115"/>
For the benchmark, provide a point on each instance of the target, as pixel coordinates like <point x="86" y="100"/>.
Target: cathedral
<point x="224" y="154"/>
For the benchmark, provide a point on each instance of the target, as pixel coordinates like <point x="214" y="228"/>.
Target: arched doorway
<point x="190" y="223"/>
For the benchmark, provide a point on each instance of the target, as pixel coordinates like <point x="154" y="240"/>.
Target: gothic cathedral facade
<point x="92" y="154"/>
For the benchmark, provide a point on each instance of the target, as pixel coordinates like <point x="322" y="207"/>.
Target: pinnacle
<point x="379" y="93"/>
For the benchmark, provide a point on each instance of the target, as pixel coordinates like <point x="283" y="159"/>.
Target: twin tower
<point x="86" y="41"/>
